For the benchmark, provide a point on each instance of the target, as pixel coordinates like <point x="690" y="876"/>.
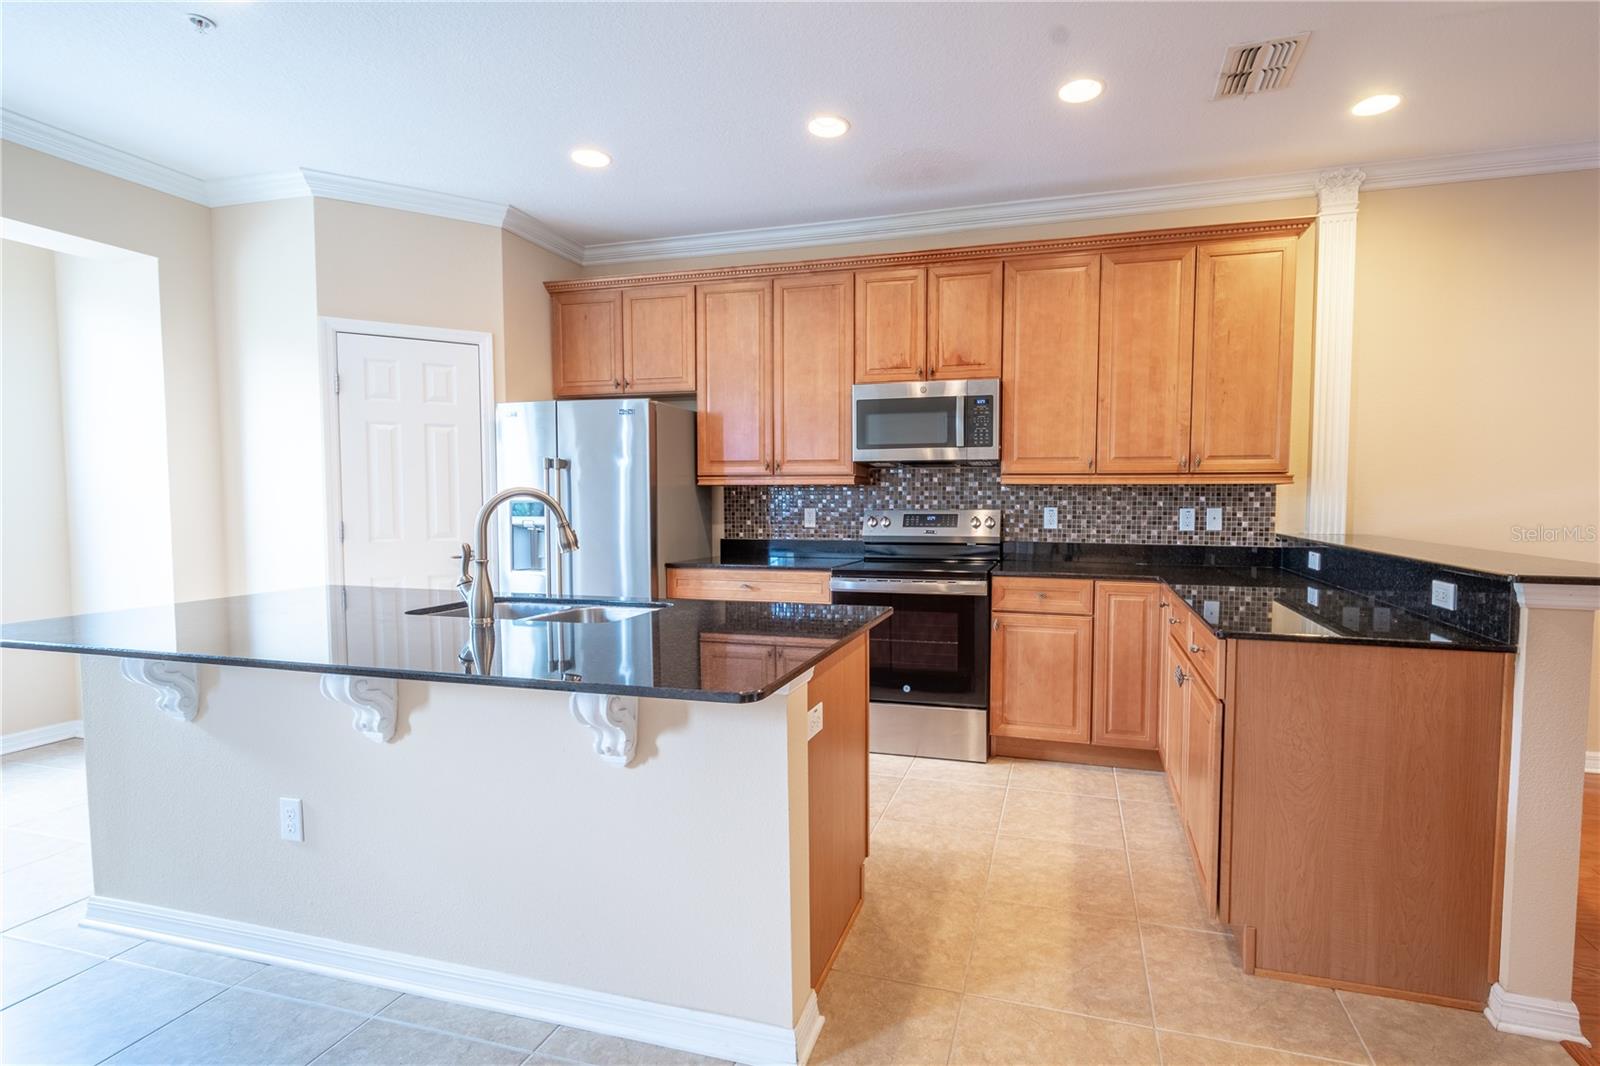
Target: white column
<point x="1544" y="812"/>
<point x="1327" y="490"/>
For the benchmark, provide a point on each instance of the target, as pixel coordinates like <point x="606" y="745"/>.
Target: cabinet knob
<point x="1091" y="462"/>
<point x="1178" y="675"/>
<point x="1194" y="649"/>
<point x="1172" y="621"/>
<point x="1183" y="464"/>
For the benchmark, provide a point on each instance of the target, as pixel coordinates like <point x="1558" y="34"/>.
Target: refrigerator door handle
<point x="553" y="559"/>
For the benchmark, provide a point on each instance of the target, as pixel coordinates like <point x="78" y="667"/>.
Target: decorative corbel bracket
<point x="615" y="722"/>
<point x="176" y="685"/>
<point x="373" y="699"/>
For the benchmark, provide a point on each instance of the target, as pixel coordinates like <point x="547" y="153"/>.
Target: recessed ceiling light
<point x="828" y="126"/>
<point x="1376" y="105"/>
<point x="1081" y="90"/>
<point x="590" y="157"/>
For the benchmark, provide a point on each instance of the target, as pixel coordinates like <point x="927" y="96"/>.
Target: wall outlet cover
<point x="810" y="518"/>
<point x="1213" y="519"/>
<point x="1313" y="596"/>
<point x="1313" y="560"/>
<point x="814" y="721"/>
<point x="291" y="820"/>
<point x="1186" y="520"/>
<point x="1211" y="611"/>
<point x="1444" y="595"/>
<point x="1051" y="518"/>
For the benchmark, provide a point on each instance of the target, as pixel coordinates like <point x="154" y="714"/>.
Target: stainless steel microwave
<point x="926" y="422"/>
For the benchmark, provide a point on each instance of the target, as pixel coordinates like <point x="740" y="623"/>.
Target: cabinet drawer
<point x="1047" y="595"/>
<point x="758" y="584"/>
<point x="1204" y="649"/>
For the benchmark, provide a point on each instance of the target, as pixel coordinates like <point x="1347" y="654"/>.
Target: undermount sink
<point x="526" y="611"/>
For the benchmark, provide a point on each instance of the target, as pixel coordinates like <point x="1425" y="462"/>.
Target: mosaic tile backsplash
<point x="1087" y="514"/>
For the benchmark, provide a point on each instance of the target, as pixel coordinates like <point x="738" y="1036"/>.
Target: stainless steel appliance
<point x="624" y="471"/>
<point x="926" y="422"/>
<point x="930" y="659"/>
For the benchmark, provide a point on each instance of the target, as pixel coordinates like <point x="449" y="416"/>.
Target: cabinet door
<point x="1040" y="677"/>
<point x="1051" y="361"/>
<point x="733" y="390"/>
<point x="586" y="342"/>
<point x="1172" y="695"/>
<point x="658" y="339"/>
<point x="964" y="310"/>
<point x="1146" y="358"/>
<point x="813" y="359"/>
<point x="1127" y="663"/>
<point x="1243" y="356"/>
<point x="1202" y="785"/>
<point x="891" y="324"/>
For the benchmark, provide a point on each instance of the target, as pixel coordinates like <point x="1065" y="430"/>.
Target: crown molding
<point x="227" y="192"/>
<point x="524" y="225"/>
<point x="51" y="140"/>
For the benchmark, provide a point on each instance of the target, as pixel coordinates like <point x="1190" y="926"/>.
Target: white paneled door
<point x="411" y="457"/>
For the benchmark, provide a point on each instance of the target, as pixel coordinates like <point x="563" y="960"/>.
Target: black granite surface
<point x="1508" y="566"/>
<point x="377" y="633"/>
<point x="780" y="554"/>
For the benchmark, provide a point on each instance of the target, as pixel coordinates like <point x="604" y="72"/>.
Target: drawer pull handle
<point x="746" y="586"/>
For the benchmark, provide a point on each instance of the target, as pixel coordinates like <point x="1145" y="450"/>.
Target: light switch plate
<point x="811" y="518"/>
<point x="1051" y="518"/>
<point x="814" y="721"/>
<point x="1213" y="520"/>
<point x="1186" y="520"/>
<point x="1313" y="560"/>
<point x="1444" y="595"/>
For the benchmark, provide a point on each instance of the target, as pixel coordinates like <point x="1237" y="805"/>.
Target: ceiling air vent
<point x="1261" y="67"/>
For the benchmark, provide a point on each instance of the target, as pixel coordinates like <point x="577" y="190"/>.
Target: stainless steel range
<point x="930" y="660"/>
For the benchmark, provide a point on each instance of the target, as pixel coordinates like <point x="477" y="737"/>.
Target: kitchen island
<point x="652" y="826"/>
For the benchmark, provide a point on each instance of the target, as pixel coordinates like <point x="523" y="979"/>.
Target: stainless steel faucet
<point x="477" y="591"/>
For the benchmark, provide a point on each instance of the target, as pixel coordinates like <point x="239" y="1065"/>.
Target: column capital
<point x="1338" y="191"/>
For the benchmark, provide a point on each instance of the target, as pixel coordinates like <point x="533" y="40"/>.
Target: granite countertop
<point x="687" y="650"/>
<point x="778" y="555"/>
<point x="1510" y="566"/>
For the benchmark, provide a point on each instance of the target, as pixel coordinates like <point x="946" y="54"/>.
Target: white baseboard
<point x="1591" y="762"/>
<point x="45" y="734"/>
<point x="716" y="1035"/>
<point x="1547" y="1019"/>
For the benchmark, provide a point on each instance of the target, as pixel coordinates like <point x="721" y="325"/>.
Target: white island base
<point x="486" y="853"/>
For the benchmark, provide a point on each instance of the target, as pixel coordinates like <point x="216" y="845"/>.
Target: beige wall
<point x="525" y="267"/>
<point x="271" y="394"/>
<point x="1476" y="384"/>
<point x="36" y="688"/>
<point x="44" y="191"/>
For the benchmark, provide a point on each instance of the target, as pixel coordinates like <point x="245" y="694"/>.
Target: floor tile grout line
<point x="1351" y="1018"/>
<point x="1260" y="1047"/>
<point x="381" y="1017"/>
<point x="977" y="918"/>
<point x="52" y="984"/>
<point x="164" y="1024"/>
<point x="1138" y="927"/>
<point x="1058" y="1010"/>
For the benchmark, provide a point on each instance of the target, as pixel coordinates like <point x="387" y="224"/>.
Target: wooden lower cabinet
<point x="836" y="771"/>
<point x="1041" y="676"/>
<point x="1127" y="663"/>
<point x="757" y="584"/>
<point x="1201" y="770"/>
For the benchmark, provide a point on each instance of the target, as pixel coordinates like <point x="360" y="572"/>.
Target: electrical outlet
<point x="1051" y="518"/>
<point x="1382" y="619"/>
<point x="1351" y="616"/>
<point x="1444" y="595"/>
<point x="1313" y="560"/>
<point x="811" y="518"/>
<point x="1313" y="596"/>
<point x="1211" y="611"/>
<point x="814" y="721"/>
<point x="1186" y="520"/>
<point x="291" y="820"/>
<point x="1213" y="520"/>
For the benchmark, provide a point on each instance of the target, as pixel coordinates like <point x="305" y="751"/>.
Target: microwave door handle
<point x="961" y="421"/>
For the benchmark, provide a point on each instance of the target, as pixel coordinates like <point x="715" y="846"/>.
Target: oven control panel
<point x="963" y="527"/>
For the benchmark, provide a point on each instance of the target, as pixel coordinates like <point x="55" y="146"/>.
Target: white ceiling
<point x="704" y="106"/>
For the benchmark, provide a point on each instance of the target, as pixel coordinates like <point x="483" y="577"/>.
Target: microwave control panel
<point x="979" y="422"/>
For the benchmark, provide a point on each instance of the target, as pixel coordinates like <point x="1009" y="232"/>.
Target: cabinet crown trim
<point x="1283" y="227"/>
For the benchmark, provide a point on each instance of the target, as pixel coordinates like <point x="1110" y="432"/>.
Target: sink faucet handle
<point x="465" y="555"/>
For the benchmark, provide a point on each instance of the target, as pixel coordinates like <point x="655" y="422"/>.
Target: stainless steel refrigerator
<point x="624" y="470"/>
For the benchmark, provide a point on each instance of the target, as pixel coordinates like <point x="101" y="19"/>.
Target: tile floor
<point x="1017" y="913"/>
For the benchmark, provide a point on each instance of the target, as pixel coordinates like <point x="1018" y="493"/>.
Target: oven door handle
<point x="909" y="586"/>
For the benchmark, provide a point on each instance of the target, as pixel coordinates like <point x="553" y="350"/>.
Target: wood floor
<point x="1586" y="950"/>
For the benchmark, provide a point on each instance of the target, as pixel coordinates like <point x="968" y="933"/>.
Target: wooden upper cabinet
<point x="586" y="342"/>
<point x="813" y="361"/>
<point x="1127" y="663"/>
<point x="1040" y="678"/>
<point x="1051" y="365"/>
<point x="1146" y="358"/>
<point x="658" y="339"/>
<point x="964" y="312"/>
<point x="1243" y="356"/>
<point x="733" y="357"/>
<point x="891" y="324"/>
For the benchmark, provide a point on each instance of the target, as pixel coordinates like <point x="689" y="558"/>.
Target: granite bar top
<point x="686" y="650"/>
<point x="779" y="555"/>
<point x="1509" y="566"/>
